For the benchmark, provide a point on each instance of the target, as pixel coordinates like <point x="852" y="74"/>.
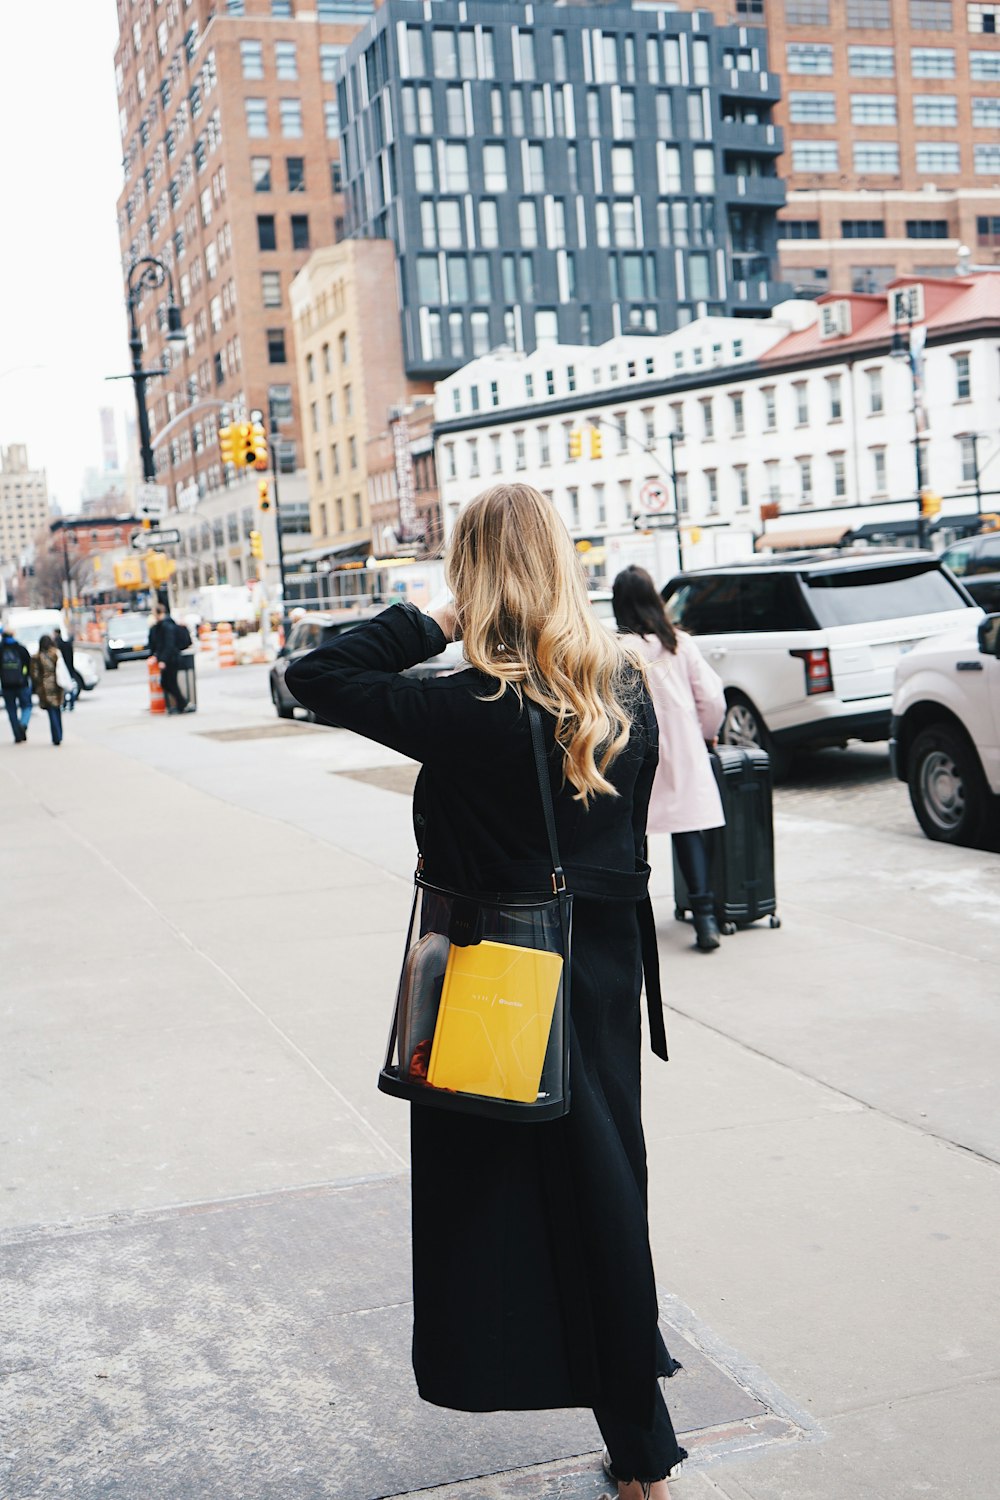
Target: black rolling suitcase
<point x="741" y="855"/>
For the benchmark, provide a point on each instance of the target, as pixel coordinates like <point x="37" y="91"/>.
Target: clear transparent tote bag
<point x="481" y="1020"/>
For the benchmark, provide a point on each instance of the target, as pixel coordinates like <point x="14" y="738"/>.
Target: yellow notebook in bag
<point x="494" y="1020"/>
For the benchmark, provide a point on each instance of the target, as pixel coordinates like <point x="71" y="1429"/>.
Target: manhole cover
<point x="275" y="731"/>
<point x="389" y="778"/>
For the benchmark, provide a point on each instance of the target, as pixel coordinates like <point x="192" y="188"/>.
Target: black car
<point x="315" y="629"/>
<point x="976" y="560"/>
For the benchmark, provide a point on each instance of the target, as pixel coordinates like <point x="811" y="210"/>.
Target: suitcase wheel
<point x="679" y="914"/>
<point x="774" y="921"/>
<point x="729" y="928"/>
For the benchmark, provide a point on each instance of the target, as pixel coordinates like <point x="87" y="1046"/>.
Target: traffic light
<point x="245" y="453"/>
<point x="258" y="438"/>
<point x="596" y="443"/>
<point x="694" y="535"/>
<point x="256" y="544"/>
<point x="159" y="569"/>
<point x="575" y="443"/>
<point x="930" y="503"/>
<point x="263" y="496"/>
<point x="128" y="574"/>
<point x="227" y="445"/>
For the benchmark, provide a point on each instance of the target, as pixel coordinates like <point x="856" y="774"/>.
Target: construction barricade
<point x="157" y="703"/>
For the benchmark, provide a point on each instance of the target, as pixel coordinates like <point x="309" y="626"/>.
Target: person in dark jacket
<point x="46" y="670"/>
<point x="15" y="683"/>
<point x="165" y="643"/>
<point x="533" y="1278"/>
<point x="64" y="645"/>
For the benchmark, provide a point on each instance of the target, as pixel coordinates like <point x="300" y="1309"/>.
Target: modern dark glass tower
<point x="560" y="173"/>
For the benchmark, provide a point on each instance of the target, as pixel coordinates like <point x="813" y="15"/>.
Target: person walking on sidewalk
<point x="51" y="680"/>
<point x="166" y="641"/>
<point x="533" y="1277"/>
<point x="15" y="683"/>
<point x="690" y="706"/>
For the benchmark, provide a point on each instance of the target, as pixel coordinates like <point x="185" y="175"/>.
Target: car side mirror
<point x="989" y="636"/>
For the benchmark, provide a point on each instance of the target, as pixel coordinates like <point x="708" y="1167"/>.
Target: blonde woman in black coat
<point x="533" y="1280"/>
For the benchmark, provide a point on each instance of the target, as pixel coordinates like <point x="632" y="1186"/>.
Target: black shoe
<point x="706" y="928"/>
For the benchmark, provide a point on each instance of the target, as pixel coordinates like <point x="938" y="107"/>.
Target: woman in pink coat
<point x="690" y="706"/>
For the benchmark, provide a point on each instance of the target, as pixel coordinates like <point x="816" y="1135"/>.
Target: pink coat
<point x="690" y="706"/>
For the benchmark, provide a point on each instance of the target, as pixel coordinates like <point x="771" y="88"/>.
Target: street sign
<point x="152" y="499"/>
<point x="653" y="496"/>
<point x="142" y="541"/>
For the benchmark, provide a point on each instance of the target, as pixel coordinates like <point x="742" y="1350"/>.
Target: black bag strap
<point x="542" y="771"/>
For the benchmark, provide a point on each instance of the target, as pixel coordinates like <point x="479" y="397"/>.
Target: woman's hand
<point x="445" y="617"/>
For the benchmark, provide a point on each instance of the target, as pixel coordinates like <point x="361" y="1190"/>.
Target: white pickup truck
<point x="945" y="733"/>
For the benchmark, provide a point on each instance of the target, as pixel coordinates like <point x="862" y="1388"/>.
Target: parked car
<point x="315" y="629"/>
<point x="126" y="638"/>
<point x="945" y="740"/>
<point x="85" y="663"/>
<point x="976" y="561"/>
<point x="806" y="645"/>
<point x="29" y="625"/>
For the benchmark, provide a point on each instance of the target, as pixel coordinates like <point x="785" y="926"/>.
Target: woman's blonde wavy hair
<point x="522" y="611"/>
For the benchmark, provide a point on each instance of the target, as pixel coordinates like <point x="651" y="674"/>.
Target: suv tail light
<point x="819" y="674"/>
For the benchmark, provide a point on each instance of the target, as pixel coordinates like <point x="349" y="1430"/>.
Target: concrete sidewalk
<point x="195" y="1003"/>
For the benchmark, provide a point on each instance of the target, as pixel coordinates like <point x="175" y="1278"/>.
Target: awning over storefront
<point x="876" y="530"/>
<point x="344" y="552"/>
<point x="801" y="539"/>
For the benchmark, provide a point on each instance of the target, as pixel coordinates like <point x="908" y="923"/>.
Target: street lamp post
<point x="152" y="273"/>
<point x="904" y="347"/>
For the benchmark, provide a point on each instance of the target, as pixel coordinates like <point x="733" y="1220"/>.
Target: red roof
<point x="950" y="302"/>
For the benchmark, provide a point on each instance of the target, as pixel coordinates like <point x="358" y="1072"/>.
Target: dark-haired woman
<point x="690" y="705"/>
<point x="48" y="676"/>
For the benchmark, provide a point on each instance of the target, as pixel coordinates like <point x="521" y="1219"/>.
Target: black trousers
<point x="168" y="681"/>
<point x="692" y="856"/>
<point x="642" y="1453"/>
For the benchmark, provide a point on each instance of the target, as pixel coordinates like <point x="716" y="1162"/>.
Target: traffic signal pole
<point x="277" y="526"/>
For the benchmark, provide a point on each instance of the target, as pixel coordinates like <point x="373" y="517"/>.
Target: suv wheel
<point x="744" y="729"/>
<point x="947" y="788"/>
<point x="282" y="712"/>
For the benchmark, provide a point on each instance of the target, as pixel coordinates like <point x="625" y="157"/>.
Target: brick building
<point x="403" y="495"/>
<point x="891" y="117"/>
<point x="349" y="354"/>
<point x="230" y="153"/>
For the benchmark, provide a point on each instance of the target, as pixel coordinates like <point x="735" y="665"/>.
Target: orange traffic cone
<point x="205" y="635"/>
<point x="227" y="646"/>
<point x="157" y="702"/>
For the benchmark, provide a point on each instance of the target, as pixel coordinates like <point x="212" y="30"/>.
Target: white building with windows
<point x="808" y="413"/>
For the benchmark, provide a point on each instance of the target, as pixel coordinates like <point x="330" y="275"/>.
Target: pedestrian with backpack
<point x="15" y="683"/>
<point x="167" y="640"/>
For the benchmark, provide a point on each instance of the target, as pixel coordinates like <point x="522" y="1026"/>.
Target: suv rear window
<point x="857" y="595"/>
<point x="731" y="602"/>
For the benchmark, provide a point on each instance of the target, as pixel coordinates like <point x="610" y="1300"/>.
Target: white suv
<point x="946" y="733"/>
<point x="806" y="645"/>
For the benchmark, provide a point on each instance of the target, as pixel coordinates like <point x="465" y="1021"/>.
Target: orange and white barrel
<point x="157" y="702"/>
<point x="205" y="636"/>
<point x="227" y="645"/>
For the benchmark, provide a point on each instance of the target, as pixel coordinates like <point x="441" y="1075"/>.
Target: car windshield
<point x="858" y="595"/>
<point x="30" y="635"/>
<point x="129" y="627"/>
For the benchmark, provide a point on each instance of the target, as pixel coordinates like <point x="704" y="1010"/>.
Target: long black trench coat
<point x="533" y="1281"/>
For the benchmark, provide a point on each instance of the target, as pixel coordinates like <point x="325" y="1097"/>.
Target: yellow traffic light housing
<point x="159" y="569"/>
<point x="258" y="438"/>
<point x="596" y="443"/>
<point x="128" y="573"/>
<point x="575" y="443"/>
<point x="263" y="496"/>
<point x="227" y="445"/>
<point x="930" y="503"/>
<point x="244" y="445"/>
<point x="256" y="544"/>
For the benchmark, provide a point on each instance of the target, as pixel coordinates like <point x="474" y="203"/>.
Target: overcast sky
<point x="61" y="301"/>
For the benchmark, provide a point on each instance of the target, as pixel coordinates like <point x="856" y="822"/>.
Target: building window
<point x="252" y="60"/>
<point x="329" y="55"/>
<point x="876" y="156"/>
<point x="984" y="67"/>
<point x="738" y="421"/>
<point x="815" y="156"/>
<point x="839" y="475"/>
<point x="862" y="229"/>
<point x="871" y="62"/>
<point x="986" y="160"/>
<point x="927" y="229"/>
<point x="270" y="287"/>
<point x="707" y="418"/>
<point x="806" y="480"/>
<point x="869" y="15"/>
<point x="932" y="62"/>
<point x="968" y="457"/>
<point x="812" y="107"/>
<point x="276" y="346"/>
<point x="879" y="466"/>
<point x="770" y="408"/>
<point x="290" y="115"/>
<point x="622" y="170"/>
<point x="801" y="390"/>
<point x="809" y="57"/>
<point x="703" y="160"/>
<point x="873" y="109"/>
<point x="267" y="238"/>
<point x="936" y="109"/>
<point x="495" y="169"/>
<point x="668" y="167"/>
<point x="835" y="393"/>
<point x="260" y="174"/>
<point x="286" y="65"/>
<point x="295" y="166"/>
<point x="939" y="156"/>
<point x="256" y="118"/>
<point x="986" y="114"/>
<point x="875" y="394"/>
<point x="331" y="119"/>
<point x="963" y="378"/>
<point x="300" y="231"/>
<point x="455" y="167"/>
<point x="930" y="15"/>
<point x="983" y="18"/>
<point x="807" y="12"/>
<point x="712" y="489"/>
<point x="799" y="229"/>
